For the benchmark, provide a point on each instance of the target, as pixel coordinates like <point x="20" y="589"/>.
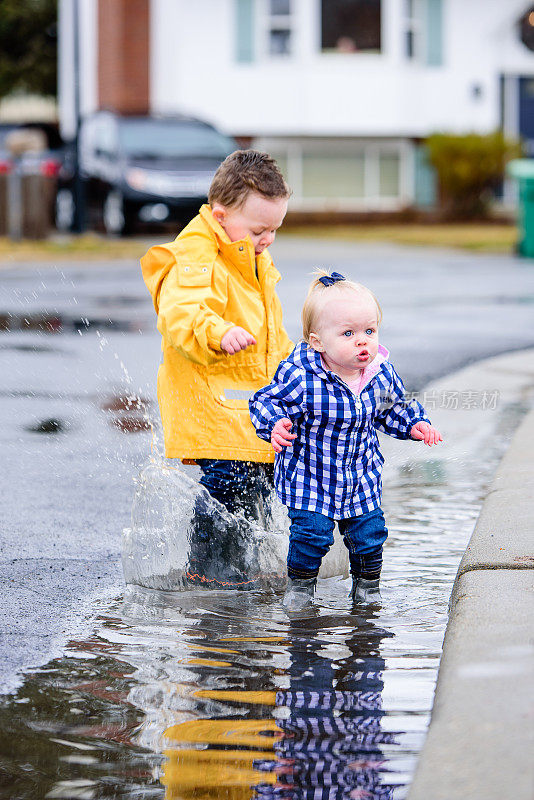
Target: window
<point x="98" y="136"/>
<point x="343" y="174"/>
<point x="388" y="174"/>
<point x="282" y="160"/>
<point x="332" y="176"/>
<point x="160" y="138"/>
<point x="412" y="29"/>
<point x="106" y="142"/>
<point x="279" y="24"/>
<point x="351" y="26"/>
<point x="265" y="29"/>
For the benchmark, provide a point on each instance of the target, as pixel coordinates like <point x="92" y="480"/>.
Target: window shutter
<point x="434" y="32"/>
<point x="245" y="34"/>
<point x="426" y="185"/>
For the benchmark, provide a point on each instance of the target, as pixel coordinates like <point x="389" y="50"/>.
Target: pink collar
<point x="368" y="373"/>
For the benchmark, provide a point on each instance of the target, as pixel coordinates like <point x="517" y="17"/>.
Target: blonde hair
<point x="243" y="172"/>
<point x="318" y="293"/>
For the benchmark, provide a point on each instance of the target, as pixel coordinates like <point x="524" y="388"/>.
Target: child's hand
<point x="426" y="432"/>
<point x="236" y="339"/>
<point x="280" y="436"/>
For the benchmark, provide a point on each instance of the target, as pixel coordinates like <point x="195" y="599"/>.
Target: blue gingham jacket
<point x="334" y="466"/>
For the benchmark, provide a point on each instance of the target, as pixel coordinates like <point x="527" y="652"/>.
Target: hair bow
<point x="329" y="280"/>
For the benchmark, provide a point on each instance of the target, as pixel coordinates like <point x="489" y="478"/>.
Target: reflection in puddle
<point x="298" y="708"/>
<point x="326" y="731"/>
<point x="126" y="402"/>
<point x="128" y="413"/>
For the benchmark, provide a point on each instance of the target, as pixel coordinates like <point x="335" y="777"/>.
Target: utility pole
<point x="79" y="189"/>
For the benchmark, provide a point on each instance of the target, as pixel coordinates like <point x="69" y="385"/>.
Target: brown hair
<point x="318" y="293"/>
<point x="246" y="171"/>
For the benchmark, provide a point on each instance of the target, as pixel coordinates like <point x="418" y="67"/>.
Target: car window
<point x="105" y="137"/>
<point x="150" y="138"/>
<point x="87" y="136"/>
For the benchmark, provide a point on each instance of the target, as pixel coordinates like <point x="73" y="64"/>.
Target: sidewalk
<point x="480" y="743"/>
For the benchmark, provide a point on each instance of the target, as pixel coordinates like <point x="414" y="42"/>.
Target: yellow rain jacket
<point x="202" y="284"/>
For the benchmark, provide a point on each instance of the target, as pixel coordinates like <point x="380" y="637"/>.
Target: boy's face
<point x="347" y="333"/>
<point x="258" y="218"/>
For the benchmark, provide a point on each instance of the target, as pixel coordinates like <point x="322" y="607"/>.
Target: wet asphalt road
<point x="77" y="341"/>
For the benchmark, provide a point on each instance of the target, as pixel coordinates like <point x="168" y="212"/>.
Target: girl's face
<point x="347" y="333"/>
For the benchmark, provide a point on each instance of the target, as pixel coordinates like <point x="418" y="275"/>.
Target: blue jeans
<point x="311" y="536"/>
<point x="239" y="485"/>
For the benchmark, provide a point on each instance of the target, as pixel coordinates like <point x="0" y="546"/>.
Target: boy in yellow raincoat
<point x="221" y="321"/>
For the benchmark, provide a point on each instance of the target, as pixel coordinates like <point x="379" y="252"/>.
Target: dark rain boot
<point x="364" y="591"/>
<point x="217" y="548"/>
<point x="299" y="593"/>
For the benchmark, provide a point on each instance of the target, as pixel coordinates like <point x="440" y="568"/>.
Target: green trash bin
<point x="523" y="170"/>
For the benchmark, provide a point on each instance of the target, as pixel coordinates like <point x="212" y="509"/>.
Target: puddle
<point x="220" y="694"/>
<point x="30" y="348"/>
<point x="48" y="426"/>
<point x="43" y="322"/>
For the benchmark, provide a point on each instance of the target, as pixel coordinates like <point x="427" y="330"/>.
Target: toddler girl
<point x="321" y="414"/>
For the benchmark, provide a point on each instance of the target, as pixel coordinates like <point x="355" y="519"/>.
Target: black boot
<point x="364" y="591"/>
<point x="299" y="593"/>
<point x="217" y="550"/>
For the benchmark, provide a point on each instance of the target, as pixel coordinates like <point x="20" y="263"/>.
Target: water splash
<point x="182" y="538"/>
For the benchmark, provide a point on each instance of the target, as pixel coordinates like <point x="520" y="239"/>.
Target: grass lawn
<point x="89" y="246"/>
<point x="491" y="238"/>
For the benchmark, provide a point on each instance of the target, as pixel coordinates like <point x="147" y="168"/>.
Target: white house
<point x="341" y="92"/>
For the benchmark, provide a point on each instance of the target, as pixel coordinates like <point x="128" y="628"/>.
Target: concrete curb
<point x="481" y="736"/>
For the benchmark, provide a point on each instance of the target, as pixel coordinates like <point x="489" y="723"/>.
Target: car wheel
<point x="114" y="215"/>
<point x="64" y="210"/>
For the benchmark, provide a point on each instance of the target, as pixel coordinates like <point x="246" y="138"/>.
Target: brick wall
<point x="123" y="55"/>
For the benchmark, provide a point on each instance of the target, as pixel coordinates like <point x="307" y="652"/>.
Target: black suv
<point x="141" y="170"/>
